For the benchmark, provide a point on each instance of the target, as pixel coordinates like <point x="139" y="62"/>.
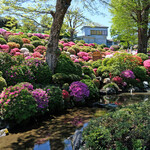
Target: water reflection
<point x="44" y="146"/>
<point x="55" y="130"/>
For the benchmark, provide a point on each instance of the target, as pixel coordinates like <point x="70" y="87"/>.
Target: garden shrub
<point x="2" y="83"/>
<point x="123" y="129"/>
<point x="87" y="70"/>
<point x="111" y="85"/>
<point x="65" y="86"/>
<point x="56" y="103"/>
<point x="71" y="51"/>
<point x="26" y="41"/>
<point x="18" y="59"/>
<point x="79" y="91"/>
<point x="2" y="41"/>
<point x="140" y="72"/>
<point x="103" y="69"/>
<point x="13" y="45"/>
<point x="61" y="78"/>
<point x="33" y="38"/>
<point x="94" y="91"/>
<point x="17" y="74"/>
<point x="86" y="77"/>
<point x="41" y="71"/>
<point x="17" y="104"/>
<point x="143" y="56"/>
<point x="76" y="48"/>
<point x="5" y="62"/>
<point x="36" y="43"/>
<point x="17" y="39"/>
<point x="42" y="99"/>
<point x="30" y="47"/>
<point x="82" y="41"/>
<point x="96" y="64"/>
<point x="115" y="47"/>
<point x="65" y="65"/>
<point x="41" y="49"/>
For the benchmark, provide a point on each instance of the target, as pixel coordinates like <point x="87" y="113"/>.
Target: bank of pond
<point x="125" y="126"/>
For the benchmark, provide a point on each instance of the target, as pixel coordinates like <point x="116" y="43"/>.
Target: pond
<point x="52" y="134"/>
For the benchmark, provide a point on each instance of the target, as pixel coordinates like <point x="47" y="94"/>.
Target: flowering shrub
<point x="30" y="47"/>
<point x="15" y="52"/>
<point x="42" y="73"/>
<point x="94" y="91"/>
<point x="65" y="95"/>
<point x="13" y="45"/>
<point x="41" y="98"/>
<point x="40" y="49"/>
<point x="18" y="74"/>
<point x="4" y="48"/>
<point x="26" y="41"/>
<point x="17" y="39"/>
<point x="36" y="55"/>
<point x="146" y="64"/>
<point x="2" y="41"/>
<point x="65" y="65"/>
<point x="143" y="56"/>
<point x="87" y="70"/>
<point x="2" y="83"/>
<point x="56" y="103"/>
<point x="33" y="38"/>
<point x="36" y="43"/>
<point x="17" y="104"/>
<point x="127" y="74"/>
<point x="117" y="80"/>
<point x="79" y="90"/>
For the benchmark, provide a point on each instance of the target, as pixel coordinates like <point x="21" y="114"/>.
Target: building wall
<point x="99" y="39"/>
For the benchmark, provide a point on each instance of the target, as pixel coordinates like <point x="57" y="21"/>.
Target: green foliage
<point x="82" y="41"/>
<point x="123" y="129"/>
<point x="17" y="74"/>
<point x="103" y="69"/>
<point x="18" y="60"/>
<point x="143" y="56"/>
<point x="56" y="103"/>
<point x="86" y="77"/>
<point x="2" y="83"/>
<point x="97" y="63"/>
<point x="40" y="69"/>
<point x="30" y="47"/>
<point x="33" y="38"/>
<point x="65" y="65"/>
<point x="36" y="43"/>
<point x="87" y="70"/>
<point x="61" y="78"/>
<point x="111" y="85"/>
<point x="5" y="62"/>
<point x="18" y="108"/>
<point x="65" y="86"/>
<point x="115" y="47"/>
<point x="3" y="41"/>
<point x="17" y="39"/>
<point x="94" y="91"/>
<point x="140" y="72"/>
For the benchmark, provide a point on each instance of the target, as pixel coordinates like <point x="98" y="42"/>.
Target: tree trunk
<point x="142" y="40"/>
<point x="71" y="34"/>
<point x="143" y="31"/>
<point x="52" y="52"/>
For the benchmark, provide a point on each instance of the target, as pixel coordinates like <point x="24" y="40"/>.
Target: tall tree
<point x="74" y="19"/>
<point x="136" y="14"/>
<point x="38" y="7"/>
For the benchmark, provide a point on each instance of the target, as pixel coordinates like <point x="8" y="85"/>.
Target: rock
<point x="77" y="141"/>
<point x="106" y="80"/>
<point x="4" y="132"/>
<point x="111" y="90"/>
<point x="24" y="50"/>
<point x="146" y="85"/>
<point x="134" y="89"/>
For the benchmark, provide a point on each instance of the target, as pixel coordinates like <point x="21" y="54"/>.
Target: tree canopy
<point x="130" y="18"/>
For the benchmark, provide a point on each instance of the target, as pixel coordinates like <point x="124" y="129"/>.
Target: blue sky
<point x="104" y="20"/>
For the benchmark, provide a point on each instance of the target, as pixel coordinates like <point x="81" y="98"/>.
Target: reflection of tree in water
<point x="125" y="99"/>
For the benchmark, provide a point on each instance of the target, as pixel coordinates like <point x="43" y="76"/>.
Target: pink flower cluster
<point x="36" y="54"/>
<point x="4" y="48"/>
<point x="117" y="80"/>
<point x="146" y="64"/>
<point x="85" y="56"/>
<point x="15" y="52"/>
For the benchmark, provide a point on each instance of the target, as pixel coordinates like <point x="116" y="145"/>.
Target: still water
<point x="53" y="134"/>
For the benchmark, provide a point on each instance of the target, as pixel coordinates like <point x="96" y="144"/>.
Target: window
<point x="98" y="32"/>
